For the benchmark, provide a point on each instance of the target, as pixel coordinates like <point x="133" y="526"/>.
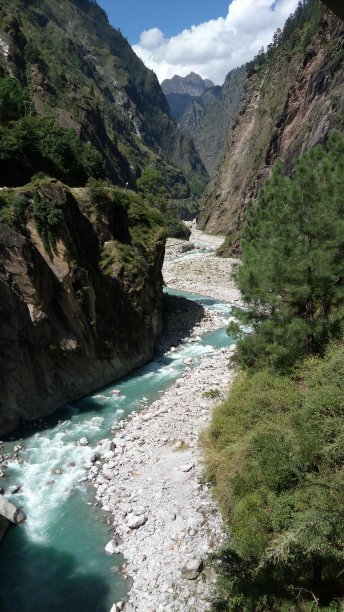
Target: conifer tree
<point x="292" y="272"/>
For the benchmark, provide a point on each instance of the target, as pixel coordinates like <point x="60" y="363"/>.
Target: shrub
<point x="275" y="454"/>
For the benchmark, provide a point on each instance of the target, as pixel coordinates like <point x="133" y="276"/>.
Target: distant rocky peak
<point x="192" y="84"/>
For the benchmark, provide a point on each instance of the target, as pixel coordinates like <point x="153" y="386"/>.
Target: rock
<point x="192" y="569"/>
<point x="187" y="467"/>
<point x="16" y="489"/>
<point x="178" y="444"/>
<point x="195" y="520"/>
<point x="108" y="455"/>
<point x="83" y="441"/>
<point x="116" y="392"/>
<point x="126" y="508"/>
<point x="49" y="483"/>
<point x="139" y="510"/>
<point x="111" y="548"/>
<point x="57" y="471"/>
<point x="10" y="511"/>
<point x="106" y="445"/>
<point x="167" y="515"/>
<point x="134" y="522"/>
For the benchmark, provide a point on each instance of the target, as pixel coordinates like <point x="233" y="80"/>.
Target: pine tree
<point x="292" y="272"/>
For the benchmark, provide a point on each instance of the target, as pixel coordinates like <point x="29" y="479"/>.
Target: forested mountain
<point x="293" y="98"/>
<point x="73" y="65"/>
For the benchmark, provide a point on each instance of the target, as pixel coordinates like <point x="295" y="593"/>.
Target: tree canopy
<point x="292" y="272"/>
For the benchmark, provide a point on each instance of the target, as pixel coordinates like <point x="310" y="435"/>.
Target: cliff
<point x="80" y="293"/>
<point x="205" y="112"/>
<point x="293" y="99"/>
<point x="83" y="71"/>
<point x="207" y="119"/>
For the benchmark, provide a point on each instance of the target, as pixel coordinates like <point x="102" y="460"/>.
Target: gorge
<point x="172" y="446"/>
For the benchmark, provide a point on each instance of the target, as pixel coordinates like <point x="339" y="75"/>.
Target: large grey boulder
<point x="10" y="511"/>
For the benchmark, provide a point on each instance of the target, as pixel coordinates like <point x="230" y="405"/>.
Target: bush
<point x="275" y="455"/>
<point x="38" y="144"/>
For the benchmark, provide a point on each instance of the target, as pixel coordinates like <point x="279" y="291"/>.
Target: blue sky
<point x="170" y="16"/>
<point x="210" y="37"/>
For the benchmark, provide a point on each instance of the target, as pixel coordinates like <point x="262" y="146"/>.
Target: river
<point x="55" y="560"/>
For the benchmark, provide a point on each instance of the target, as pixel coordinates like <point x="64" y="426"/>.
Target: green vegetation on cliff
<point x="78" y="68"/>
<point x="293" y="99"/>
<point x="274" y="450"/>
<point x="33" y="144"/>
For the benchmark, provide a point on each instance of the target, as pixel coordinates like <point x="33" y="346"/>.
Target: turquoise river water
<point x="55" y="561"/>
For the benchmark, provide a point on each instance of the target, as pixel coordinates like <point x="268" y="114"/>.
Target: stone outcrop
<point x="67" y="325"/>
<point x="289" y="106"/>
<point x="10" y="512"/>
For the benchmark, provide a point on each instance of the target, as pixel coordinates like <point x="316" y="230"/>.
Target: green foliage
<point x="274" y="453"/>
<point x="135" y="228"/>
<point x="47" y="214"/>
<point x="12" y="98"/>
<point x="298" y="31"/>
<point x="152" y="186"/>
<point x="292" y="272"/>
<point x="212" y="394"/>
<point x="39" y="144"/>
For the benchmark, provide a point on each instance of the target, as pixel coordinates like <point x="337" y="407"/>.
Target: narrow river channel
<point x="55" y="560"/>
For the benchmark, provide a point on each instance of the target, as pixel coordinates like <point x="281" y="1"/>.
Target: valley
<point x="171" y="308"/>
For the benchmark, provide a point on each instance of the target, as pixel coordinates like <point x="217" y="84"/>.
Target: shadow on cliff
<point x="180" y="315"/>
<point x="42" y="578"/>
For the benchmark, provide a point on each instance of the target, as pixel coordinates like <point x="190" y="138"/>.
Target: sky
<point x="209" y="37"/>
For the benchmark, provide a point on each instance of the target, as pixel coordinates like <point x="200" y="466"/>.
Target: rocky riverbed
<point x="148" y="477"/>
<point x="192" y="266"/>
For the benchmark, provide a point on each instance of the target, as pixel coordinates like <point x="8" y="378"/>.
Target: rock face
<point x="289" y="106"/>
<point x="91" y="80"/>
<point x="11" y="512"/>
<point x="207" y="115"/>
<point x="80" y="313"/>
<point x="192" y="85"/>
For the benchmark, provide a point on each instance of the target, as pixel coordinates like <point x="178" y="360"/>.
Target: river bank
<point x="149" y="478"/>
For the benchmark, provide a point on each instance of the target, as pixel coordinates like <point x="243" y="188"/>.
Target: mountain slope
<point x="206" y="115"/>
<point x="293" y="98"/>
<point x="84" y="71"/>
<point x="192" y="84"/>
<point x="207" y="118"/>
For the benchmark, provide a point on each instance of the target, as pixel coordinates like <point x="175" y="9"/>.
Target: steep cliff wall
<point x="290" y="104"/>
<point x="80" y="295"/>
<point x="208" y="118"/>
<point x="205" y="111"/>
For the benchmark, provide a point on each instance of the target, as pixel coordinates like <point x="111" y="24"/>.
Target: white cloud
<point x="213" y="48"/>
